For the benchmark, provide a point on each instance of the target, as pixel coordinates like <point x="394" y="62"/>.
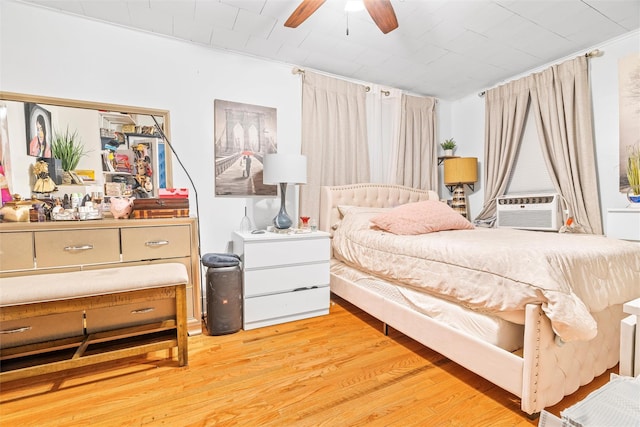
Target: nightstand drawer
<point x="155" y="243"/>
<point x="286" y="307"/>
<point x="16" y="251"/>
<point x="77" y="247"/>
<point x="122" y="316"/>
<point x="269" y="253"/>
<point x="41" y="328"/>
<point x="284" y="279"/>
<point x="624" y="223"/>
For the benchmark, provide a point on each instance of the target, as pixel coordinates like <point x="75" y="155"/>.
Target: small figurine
<point x="121" y="207"/>
<point x="44" y="183"/>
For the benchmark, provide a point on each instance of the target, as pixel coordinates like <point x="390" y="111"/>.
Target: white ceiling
<point x="443" y="48"/>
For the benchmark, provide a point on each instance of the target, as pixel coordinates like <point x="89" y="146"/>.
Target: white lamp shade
<point x="284" y="168"/>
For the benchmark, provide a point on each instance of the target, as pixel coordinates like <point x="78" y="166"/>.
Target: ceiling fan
<point x="380" y="10"/>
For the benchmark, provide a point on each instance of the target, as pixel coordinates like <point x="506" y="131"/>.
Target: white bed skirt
<point x="541" y="374"/>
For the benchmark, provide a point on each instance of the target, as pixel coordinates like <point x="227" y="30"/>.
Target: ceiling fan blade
<point x="382" y="13"/>
<point x="302" y="12"/>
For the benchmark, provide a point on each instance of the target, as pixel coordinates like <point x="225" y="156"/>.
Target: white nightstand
<point x="623" y="223"/>
<point x="286" y="276"/>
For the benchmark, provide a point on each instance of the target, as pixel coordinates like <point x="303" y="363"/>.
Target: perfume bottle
<point x="245" y="224"/>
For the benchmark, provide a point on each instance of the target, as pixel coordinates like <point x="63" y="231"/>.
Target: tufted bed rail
<point x="541" y="373"/>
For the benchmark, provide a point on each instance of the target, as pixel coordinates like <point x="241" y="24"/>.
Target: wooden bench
<point x="58" y="321"/>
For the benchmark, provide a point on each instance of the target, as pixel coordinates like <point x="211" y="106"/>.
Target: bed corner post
<point x="531" y="360"/>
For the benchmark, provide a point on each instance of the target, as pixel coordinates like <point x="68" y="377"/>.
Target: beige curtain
<point x="505" y="113"/>
<point x="417" y="152"/>
<point x="334" y="136"/>
<point x="383" y="119"/>
<point x="561" y="101"/>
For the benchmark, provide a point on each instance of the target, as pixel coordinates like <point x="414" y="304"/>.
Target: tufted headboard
<point x="367" y="195"/>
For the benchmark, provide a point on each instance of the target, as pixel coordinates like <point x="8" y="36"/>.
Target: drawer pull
<point x="16" y="330"/>
<point x="78" y="248"/>
<point x="143" y="310"/>
<point x="157" y="243"/>
<point x="305" y="288"/>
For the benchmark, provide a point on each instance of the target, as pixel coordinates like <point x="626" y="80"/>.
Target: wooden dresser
<point x="29" y="248"/>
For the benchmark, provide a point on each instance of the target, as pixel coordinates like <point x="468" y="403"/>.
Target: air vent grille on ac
<point x="529" y="211"/>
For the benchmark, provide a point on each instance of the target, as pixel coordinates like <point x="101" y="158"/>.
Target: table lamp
<point x="457" y="172"/>
<point x="283" y="169"/>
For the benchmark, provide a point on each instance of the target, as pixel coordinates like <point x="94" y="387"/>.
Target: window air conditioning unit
<point x="529" y="211"/>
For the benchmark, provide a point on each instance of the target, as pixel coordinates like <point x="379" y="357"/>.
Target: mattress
<point x="491" y="329"/>
<point x="500" y="271"/>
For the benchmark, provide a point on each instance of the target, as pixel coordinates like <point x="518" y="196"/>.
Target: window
<point x="529" y="173"/>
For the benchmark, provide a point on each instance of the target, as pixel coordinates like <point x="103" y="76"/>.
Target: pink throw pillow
<point x="420" y="218"/>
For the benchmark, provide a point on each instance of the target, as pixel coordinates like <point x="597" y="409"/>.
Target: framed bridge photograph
<point x="244" y="134"/>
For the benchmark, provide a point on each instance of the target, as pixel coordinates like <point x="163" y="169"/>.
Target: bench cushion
<point x="60" y="286"/>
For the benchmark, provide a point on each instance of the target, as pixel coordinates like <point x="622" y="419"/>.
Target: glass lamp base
<point x="282" y="220"/>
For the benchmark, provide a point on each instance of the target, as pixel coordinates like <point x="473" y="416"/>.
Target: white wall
<point x="468" y="122"/>
<point x="70" y="57"/>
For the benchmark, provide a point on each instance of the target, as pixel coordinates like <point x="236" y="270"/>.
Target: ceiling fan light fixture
<point x="354" y="6"/>
<point x="380" y="11"/>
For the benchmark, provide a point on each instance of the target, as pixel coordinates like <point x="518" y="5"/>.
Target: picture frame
<point x="629" y="114"/>
<point x="39" y="132"/>
<point x="243" y="135"/>
<point x="75" y="179"/>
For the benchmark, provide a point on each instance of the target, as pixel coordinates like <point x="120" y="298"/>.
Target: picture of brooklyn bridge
<point x="244" y="134"/>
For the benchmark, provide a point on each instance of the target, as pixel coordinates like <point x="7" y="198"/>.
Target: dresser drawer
<point x="192" y="294"/>
<point x="285" y="252"/>
<point x="16" y="251"/>
<point x="41" y="328"/>
<point x="77" y="247"/>
<point x="284" y="279"/>
<point x="279" y="308"/>
<point x="122" y="316"/>
<point x="155" y="242"/>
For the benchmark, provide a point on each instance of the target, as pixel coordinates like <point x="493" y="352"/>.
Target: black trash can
<point x="224" y="293"/>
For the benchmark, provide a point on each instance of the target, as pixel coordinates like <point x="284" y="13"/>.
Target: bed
<point x="541" y="348"/>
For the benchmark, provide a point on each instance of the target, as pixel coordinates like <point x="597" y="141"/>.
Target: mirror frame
<point x="101" y="106"/>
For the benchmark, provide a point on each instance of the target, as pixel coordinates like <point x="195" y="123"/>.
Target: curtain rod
<point x="591" y="54"/>
<point x="298" y="70"/>
<point x="594" y="53"/>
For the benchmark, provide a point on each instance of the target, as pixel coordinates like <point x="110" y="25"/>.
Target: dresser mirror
<point x="121" y="145"/>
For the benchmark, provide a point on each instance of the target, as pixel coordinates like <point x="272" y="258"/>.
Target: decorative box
<point x="160" y="208"/>
<point x="17" y="210"/>
<point x="170" y="193"/>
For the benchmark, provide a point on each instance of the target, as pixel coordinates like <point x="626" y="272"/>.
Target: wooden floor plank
<point x="336" y="370"/>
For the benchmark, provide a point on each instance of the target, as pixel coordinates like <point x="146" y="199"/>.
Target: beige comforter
<point x="499" y="271"/>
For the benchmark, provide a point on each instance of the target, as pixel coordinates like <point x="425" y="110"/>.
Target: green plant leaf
<point x="68" y="148"/>
<point x="448" y="144"/>
<point x="633" y="168"/>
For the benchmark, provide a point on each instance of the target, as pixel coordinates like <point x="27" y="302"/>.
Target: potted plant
<point x="69" y="149"/>
<point x="448" y="145"/>
<point x="633" y="174"/>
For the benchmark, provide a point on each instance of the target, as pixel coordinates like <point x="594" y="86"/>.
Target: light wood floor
<point x="336" y="370"/>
